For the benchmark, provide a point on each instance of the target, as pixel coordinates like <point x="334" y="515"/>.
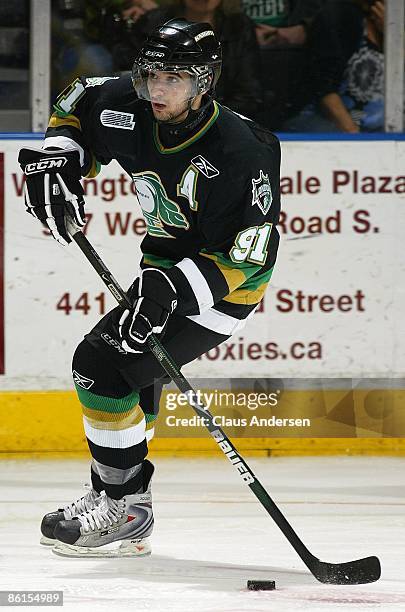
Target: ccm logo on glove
<point x="45" y="164"/>
<point x="53" y="190"/>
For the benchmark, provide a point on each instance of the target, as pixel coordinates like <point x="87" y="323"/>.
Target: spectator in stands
<point x="239" y="86"/>
<point x="84" y="33"/>
<point x="118" y="15"/>
<point x="347" y="69"/>
<point x="137" y="8"/>
<point x="281" y="23"/>
<point x="75" y="50"/>
<point x="14" y="57"/>
<point x="282" y="31"/>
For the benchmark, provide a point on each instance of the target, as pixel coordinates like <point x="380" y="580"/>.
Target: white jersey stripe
<point x="63" y="142"/>
<point x="197" y="282"/>
<point x="123" y="438"/>
<point x="219" y="321"/>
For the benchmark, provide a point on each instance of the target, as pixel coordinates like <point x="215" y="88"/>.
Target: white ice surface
<point x="211" y="536"/>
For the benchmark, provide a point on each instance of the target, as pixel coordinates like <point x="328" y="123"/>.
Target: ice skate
<point x="127" y="522"/>
<point x="84" y="504"/>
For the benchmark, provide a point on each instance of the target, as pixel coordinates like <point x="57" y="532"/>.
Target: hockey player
<point x="207" y="181"/>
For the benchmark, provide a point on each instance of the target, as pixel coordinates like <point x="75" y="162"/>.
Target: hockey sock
<point x="115" y="431"/>
<point x="150" y="425"/>
<point x="116" y="482"/>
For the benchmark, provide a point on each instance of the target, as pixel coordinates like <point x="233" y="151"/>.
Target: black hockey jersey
<point x="211" y="203"/>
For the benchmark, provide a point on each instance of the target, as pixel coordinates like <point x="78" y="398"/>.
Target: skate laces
<point x="83" y="504"/>
<point x="107" y="512"/>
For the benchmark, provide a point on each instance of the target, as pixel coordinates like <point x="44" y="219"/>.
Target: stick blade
<point x="361" y="571"/>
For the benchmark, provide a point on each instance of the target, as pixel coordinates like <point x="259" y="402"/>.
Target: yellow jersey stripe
<point x="244" y="296"/>
<point x="234" y="277"/>
<point x="71" y="120"/>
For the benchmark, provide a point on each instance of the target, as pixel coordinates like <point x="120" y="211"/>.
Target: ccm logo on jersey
<point x="117" y="119"/>
<point x="107" y="338"/>
<point x="82" y="381"/>
<point x="45" y="164"/>
<point x="204" y="166"/>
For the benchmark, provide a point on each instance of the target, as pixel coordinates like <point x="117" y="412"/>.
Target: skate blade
<point x="136" y="548"/>
<point x="47" y="541"/>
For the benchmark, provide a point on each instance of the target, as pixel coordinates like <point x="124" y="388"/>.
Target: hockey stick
<point x="360" y="571"/>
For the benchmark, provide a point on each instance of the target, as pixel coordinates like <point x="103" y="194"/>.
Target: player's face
<point x="169" y="94"/>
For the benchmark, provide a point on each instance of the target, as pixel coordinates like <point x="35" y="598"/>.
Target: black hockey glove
<point x="155" y="299"/>
<point x="53" y="189"/>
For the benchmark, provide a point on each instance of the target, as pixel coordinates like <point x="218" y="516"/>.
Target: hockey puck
<point x="261" y="585"/>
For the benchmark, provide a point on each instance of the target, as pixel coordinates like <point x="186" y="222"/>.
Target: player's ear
<point x="209" y="82"/>
<point x="196" y="103"/>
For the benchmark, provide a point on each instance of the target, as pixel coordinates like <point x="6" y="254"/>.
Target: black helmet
<point x="180" y="45"/>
